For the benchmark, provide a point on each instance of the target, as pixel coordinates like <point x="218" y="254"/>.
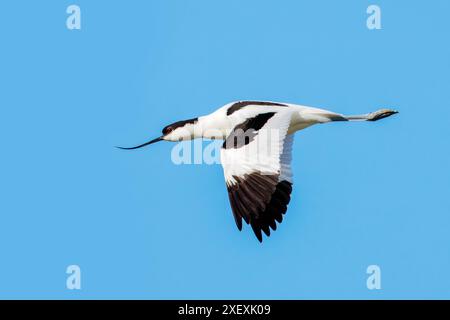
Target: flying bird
<point x="256" y="153"/>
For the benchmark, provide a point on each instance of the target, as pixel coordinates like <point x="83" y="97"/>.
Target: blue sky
<point x="141" y="227"/>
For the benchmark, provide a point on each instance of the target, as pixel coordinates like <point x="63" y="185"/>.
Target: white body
<point x="257" y="168"/>
<point x="219" y="125"/>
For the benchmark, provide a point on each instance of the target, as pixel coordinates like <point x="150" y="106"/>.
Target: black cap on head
<point x="168" y="129"/>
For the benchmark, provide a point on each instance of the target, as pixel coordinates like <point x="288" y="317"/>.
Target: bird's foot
<point x="380" y="114"/>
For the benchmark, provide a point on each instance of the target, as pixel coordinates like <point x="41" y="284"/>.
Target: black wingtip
<point x="257" y="231"/>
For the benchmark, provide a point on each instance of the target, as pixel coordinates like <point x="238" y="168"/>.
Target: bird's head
<point x="177" y="131"/>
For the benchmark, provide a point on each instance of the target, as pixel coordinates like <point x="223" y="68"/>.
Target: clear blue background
<point x="141" y="227"/>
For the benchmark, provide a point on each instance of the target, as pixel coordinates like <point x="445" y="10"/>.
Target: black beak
<point x="142" y="145"/>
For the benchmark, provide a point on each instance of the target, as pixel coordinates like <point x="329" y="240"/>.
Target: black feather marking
<point x="241" y="104"/>
<point x="242" y="210"/>
<point x="247" y="195"/>
<point x="257" y="229"/>
<point x="245" y="132"/>
<point x="236" y="212"/>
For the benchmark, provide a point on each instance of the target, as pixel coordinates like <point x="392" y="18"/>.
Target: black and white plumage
<point x="256" y="153"/>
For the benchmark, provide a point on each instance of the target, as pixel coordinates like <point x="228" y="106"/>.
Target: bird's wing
<point x="256" y="159"/>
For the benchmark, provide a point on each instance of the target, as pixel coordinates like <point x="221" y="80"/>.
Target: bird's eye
<point x="167" y="130"/>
